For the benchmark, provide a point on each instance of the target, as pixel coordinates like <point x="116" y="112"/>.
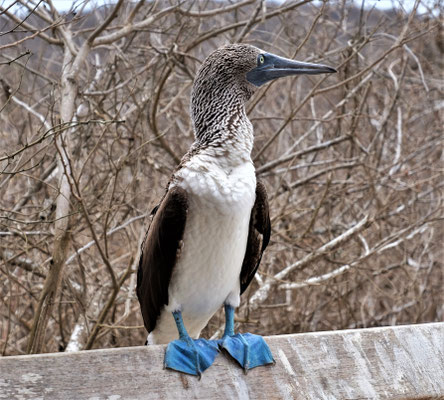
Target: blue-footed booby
<point x="208" y="233"/>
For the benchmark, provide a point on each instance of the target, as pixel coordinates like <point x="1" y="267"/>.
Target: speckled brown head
<point x="228" y="78"/>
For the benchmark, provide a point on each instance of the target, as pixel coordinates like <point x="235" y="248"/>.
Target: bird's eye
<point x="261" y="59"/>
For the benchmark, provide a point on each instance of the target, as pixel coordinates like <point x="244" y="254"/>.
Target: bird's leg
<point x="192" y="356"/>
<point x="229" y="321"/>
<point x="248" y="350"/>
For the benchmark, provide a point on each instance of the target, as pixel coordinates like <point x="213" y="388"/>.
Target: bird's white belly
<point x="207" y="272"/>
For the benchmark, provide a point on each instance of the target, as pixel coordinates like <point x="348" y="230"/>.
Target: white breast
<point x="214" y="242"/>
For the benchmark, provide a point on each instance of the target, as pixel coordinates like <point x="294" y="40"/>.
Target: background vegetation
<point x="94" y="118"/>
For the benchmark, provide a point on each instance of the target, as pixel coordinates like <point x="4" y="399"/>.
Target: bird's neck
<point x="224" y="128"/>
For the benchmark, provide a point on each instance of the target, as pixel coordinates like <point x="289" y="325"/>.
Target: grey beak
<point x="275" y="67"/>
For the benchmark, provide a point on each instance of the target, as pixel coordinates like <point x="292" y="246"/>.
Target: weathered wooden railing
<point x="401" y="362"/>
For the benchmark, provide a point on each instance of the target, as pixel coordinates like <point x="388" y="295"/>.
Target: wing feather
<point x="159" y="254"/>
<point x="258" y="236"/>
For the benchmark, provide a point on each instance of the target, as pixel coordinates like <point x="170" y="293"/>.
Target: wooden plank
<point x="402" y="362"/>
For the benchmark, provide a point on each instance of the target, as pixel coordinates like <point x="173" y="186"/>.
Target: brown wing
<point x="258" y="236"/>
<point x="159" y="254"/>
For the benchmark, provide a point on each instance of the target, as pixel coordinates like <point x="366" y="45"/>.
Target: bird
<point x="208" y="233"/>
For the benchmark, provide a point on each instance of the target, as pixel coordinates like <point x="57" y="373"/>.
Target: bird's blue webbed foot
<point x="248" y="350"/>
<point x="192" y="356"/>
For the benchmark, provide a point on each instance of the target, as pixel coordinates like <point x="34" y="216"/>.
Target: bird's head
<point x="248" y="67"/>
<point x="231" y="74"/>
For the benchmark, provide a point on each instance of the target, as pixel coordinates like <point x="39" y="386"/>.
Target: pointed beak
<point x="275" y="67"/>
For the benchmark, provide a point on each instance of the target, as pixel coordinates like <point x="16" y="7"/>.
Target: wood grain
<point x="401" y="362"/>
